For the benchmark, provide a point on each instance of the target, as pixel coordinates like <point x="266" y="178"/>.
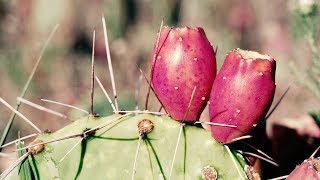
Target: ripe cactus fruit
<point x="183" y="60"/>
<point x="242" y="93"/>
<point x="307" y="170"/>
<point x="109" y="152"/>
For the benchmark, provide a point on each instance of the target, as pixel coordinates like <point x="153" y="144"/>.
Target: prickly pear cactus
<point x="110" y="152"/>
<point x="138" y="144"/>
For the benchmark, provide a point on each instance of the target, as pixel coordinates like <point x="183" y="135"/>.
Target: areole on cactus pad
<point x="242" y="93"/>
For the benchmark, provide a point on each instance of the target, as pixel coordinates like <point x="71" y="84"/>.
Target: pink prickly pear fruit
<point x="185" y="59"/>
<point x="242" y="93"/>
<point x="308" y="170"/>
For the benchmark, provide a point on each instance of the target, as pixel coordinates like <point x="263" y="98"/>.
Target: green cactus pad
<point x="110" y="152"/>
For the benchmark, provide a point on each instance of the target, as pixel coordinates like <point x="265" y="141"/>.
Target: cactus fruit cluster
<point x="156" y="145"/>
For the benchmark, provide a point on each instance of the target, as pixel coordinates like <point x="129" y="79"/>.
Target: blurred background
<point x="268" y="27"/>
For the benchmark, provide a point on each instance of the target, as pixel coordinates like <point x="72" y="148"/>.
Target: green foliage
<point x="306" y="25"/>
<point x="309" y="12"/>
<point x="316" y="116"/>
<point x="305" y="21"/>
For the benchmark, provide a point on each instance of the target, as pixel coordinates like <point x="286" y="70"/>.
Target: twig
<point x="143" y="112"/>
<point x="234" y="161"/>
<point x="145" y="77"/>
<point x="92" y="72"/>
<point x="106" y="123"/>
<point x="79" y="134"/>
<point x="277" y="104"/>
<point x="190" y="102"/>
<point x="153" y="64"/>
<point x="258" y="150"/>
<point x="315" y="152"/>
<point x="216" y="51"/>
<point x="110" y="63"/>
<point x="41" y="108"/>
<point x="66" y="105"/>
<point x="14" y="165"/>
<point x="216" y="124"/>
<point x="51" y="141"/>
<point x="71" y="149"/>
<point x="106" y="94"/>
<point x="241" y="138"/>
<point x="176" y="150"/>
<point x="19" y="114"/>
<point x="180" y="131"/>
<point x="20" y="139"/>
<point x="279" y="178"/>
<point x="260" y="157"/>
<point x="134" y="169"/>
<point x="137" y="91"/>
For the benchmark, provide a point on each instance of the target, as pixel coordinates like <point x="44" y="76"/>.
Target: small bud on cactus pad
<point x="184" y="60"/>
<point x="109" y="153"/>
<point x="308" y="170"/>
<point x="242" y="93"/>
